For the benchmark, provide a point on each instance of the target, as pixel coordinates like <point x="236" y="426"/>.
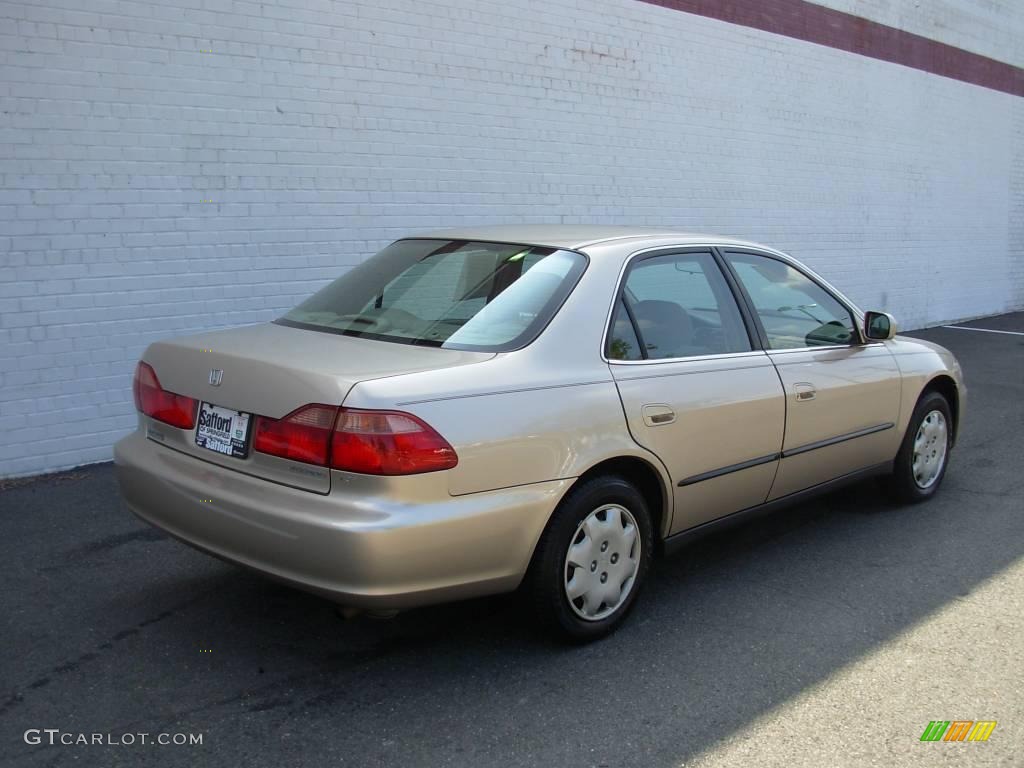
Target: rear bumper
<point x="358" y="550"/>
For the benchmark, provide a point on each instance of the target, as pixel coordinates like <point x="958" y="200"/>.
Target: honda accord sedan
<point x="542" y="408"/>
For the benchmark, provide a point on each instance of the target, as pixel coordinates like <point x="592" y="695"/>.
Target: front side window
<point x="455" y="294"/>
<point x="677" y="305"/>
<point x="794" y="310"/>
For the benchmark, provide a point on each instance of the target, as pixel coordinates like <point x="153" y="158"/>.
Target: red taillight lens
<point x="388" y="443"/>
<point x="369" y="442"/>
<point x="302" y="435"/>
<point x="157" y="403"/>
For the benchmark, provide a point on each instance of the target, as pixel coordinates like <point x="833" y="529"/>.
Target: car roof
<point x="575" y="236"/>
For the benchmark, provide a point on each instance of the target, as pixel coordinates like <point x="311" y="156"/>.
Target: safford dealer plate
<point x="223" y="430"/>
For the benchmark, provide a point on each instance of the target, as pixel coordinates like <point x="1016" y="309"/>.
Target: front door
<point x="694" y="390"/>
<point x="842" y="395"/>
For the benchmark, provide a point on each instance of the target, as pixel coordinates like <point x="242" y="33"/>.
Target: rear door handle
<point x="658" y="414"/>
<point x="805" y="391"/>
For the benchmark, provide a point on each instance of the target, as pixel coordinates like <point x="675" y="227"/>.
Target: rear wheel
<point x="592" y="559"/>
<point x="924" y="454"/>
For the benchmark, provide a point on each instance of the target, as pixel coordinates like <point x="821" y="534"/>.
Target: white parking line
<point x="983" y="330"/>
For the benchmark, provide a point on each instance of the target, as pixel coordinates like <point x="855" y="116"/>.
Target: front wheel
<point x="921" y="463"/>
<point x="592" y="559"/>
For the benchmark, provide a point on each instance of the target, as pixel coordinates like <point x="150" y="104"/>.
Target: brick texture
<point x="181" y="165"/>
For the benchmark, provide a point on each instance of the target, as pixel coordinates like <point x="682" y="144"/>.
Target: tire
<point x="605" y="521"/>
<point x="928" y="441"/>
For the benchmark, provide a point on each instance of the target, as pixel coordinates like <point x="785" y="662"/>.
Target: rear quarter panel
<point x="515" y="428"/>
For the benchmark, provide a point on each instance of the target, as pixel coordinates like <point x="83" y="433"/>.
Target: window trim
<point x="753" y="338"/>
<point x="856" y="315"/>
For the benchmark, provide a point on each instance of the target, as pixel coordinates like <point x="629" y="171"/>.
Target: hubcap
<point x="601" y="563"/>
<point x="930" y="449"/>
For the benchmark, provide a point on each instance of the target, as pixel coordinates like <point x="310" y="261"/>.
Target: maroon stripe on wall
<point x="816" y="24"/>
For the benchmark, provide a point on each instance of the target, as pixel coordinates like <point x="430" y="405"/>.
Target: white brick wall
<point x="319" y="130"/>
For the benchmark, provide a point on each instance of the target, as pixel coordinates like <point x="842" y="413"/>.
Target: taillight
<point x="157" y="403"/>
<point x="368" y="442"/>
<point x="302" y="435"/>
<point x="388" y="443"/>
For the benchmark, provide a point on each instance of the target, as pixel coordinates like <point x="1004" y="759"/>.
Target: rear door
<point x="842" y="394"/>
<point x="695" y="390"/>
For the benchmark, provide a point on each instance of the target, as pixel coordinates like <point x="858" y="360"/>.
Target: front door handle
<point x="805" y="391"/>
<point x="658" y="414"/>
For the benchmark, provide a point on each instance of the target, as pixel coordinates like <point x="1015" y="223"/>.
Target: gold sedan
<point x="470" y="412"/>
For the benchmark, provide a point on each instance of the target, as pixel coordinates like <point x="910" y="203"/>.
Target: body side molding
<point x="731" y="468"/>
<point x="837" y="439"/>
<point x="783" y="455"/>
<point x="678" y="540"/>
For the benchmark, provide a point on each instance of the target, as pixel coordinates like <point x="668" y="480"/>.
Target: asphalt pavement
<point x="827" y="634"/>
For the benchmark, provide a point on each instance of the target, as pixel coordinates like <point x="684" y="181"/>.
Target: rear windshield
<point x="457" y="294"/>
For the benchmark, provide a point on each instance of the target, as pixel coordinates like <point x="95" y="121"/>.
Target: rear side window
<point x="622" y="341"/>
<point x="678" y="305"/>
<point x="456" y="294"/>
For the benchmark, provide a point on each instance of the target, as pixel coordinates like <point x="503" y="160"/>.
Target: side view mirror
<point x="879" y="326"/>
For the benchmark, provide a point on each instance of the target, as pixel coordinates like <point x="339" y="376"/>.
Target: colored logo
<point x="958" y="730"/>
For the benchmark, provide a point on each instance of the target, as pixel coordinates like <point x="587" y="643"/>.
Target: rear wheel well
<point x="946" y="387"/>
<point x="642" y="475"/>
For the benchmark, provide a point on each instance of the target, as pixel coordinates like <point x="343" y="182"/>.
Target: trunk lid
<point x="270" y="370"/>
